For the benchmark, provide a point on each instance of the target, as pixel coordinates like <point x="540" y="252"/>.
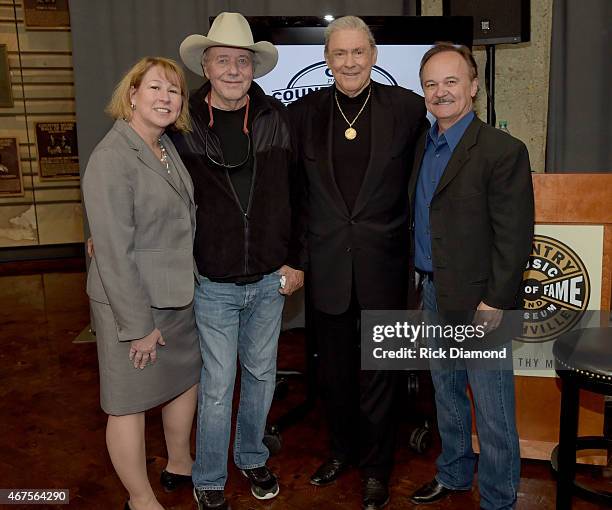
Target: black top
<point x="350" y="157"/>
<point x="235" y="145"/>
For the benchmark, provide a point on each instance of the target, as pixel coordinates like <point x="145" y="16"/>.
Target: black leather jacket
<point x="229" y="242"/>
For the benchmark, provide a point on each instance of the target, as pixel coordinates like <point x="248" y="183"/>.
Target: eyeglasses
<point x="229" y="166"/>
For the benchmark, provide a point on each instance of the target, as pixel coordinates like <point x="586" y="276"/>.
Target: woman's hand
<point x="144" y="349"/>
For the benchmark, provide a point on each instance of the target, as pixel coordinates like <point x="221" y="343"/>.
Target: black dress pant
<point x="359" y="404"/>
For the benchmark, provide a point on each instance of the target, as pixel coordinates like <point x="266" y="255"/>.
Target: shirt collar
<point x="453" y="134"/>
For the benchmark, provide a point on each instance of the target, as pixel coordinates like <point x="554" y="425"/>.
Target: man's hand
<point x="487" y="317"/>
<point x="144" y="349"/>
<point x="90" y="247"/>
<point x="294" y="279"/>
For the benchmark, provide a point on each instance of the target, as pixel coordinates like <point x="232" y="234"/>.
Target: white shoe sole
<point x="267" y="496"/>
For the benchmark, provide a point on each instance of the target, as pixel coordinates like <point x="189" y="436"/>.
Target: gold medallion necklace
<point x="351" y="133"/>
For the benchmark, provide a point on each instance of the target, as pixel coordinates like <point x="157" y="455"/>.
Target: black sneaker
<point x="210" y="499"/>
<point x="263" y="483"/>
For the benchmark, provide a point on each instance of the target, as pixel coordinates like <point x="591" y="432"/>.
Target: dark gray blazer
<point x="142" y="223"/>
<point x="481" y="218"/>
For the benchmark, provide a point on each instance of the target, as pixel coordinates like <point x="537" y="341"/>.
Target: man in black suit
<point x="355" y="146"/>
<point x="473" y="224"/>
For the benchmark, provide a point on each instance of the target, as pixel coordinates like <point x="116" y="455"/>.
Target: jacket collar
<point x="461" y="154"/>
<point x="453" y="134"/>
<point x="377" y="94"/>
<point x="458" y="159"/>
<point x="146" y="156"/>
<point x="258" y="103"/>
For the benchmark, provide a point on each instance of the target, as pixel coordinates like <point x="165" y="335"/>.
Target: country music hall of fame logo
<point x="317" y="76"/>
<point x="556" y="290"/>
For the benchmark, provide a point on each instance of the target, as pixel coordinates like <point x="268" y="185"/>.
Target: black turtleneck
<point x="350" y="157"/>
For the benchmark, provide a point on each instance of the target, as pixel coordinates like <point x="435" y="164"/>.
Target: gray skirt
<point x="128" y="390"/>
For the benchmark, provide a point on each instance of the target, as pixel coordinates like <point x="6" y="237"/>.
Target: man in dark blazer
<point x="473" y="224"/>
<point x="355" y="147"/>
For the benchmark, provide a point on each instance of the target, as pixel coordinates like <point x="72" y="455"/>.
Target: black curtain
<point x="579" y="135"/>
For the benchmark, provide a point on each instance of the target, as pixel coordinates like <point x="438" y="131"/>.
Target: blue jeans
<point x="493" y="392"/>
<point x="235" y="322"/>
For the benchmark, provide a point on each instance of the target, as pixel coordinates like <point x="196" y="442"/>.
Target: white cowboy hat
<point x="229" y="29"/>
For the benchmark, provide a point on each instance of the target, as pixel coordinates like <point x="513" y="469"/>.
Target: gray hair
<point x="348" y="23"/>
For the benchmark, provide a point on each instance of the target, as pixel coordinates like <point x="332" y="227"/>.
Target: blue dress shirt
<point x="438" y="151"/>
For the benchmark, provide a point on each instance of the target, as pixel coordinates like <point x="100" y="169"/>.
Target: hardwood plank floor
<point x="52" y="428"/>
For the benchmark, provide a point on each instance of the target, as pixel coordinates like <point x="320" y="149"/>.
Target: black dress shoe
<point x="170" y="481"/>
<point x="375" y="494"/>
<point x="328" y="472"/>
<point x="430" y="492"/>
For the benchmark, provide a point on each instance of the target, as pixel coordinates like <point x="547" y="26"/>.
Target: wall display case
<point x="11" y="184"/>
<point x="43" y="206"/>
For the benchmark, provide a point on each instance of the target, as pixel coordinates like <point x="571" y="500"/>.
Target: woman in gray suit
<point x="139" y="203"/>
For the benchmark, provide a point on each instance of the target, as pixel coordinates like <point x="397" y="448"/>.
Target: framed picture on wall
<point x="58" y="155"/>
<point x="6" y="93"/>
<point x="11" y="184"/>
<point x="46" y="14"/>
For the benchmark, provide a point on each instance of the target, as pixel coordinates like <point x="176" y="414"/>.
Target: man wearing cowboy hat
<point x="246" y="248"/>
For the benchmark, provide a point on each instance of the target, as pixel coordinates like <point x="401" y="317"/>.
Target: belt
<point x="240" y="280"/>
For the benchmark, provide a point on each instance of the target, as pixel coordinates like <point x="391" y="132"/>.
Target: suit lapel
<point x="460" y="156"/>
<point x="145" y="154"/>
<point x="180" y="168"/>
<point x="322" y="130"/>
<point x="381" y="136"/>
<point x="416" y="168"/>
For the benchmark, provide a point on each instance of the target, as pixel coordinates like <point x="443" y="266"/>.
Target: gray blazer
<point x="142" y="224"/>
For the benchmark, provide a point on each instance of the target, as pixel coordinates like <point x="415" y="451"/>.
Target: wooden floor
<point x="52" y="428"/>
